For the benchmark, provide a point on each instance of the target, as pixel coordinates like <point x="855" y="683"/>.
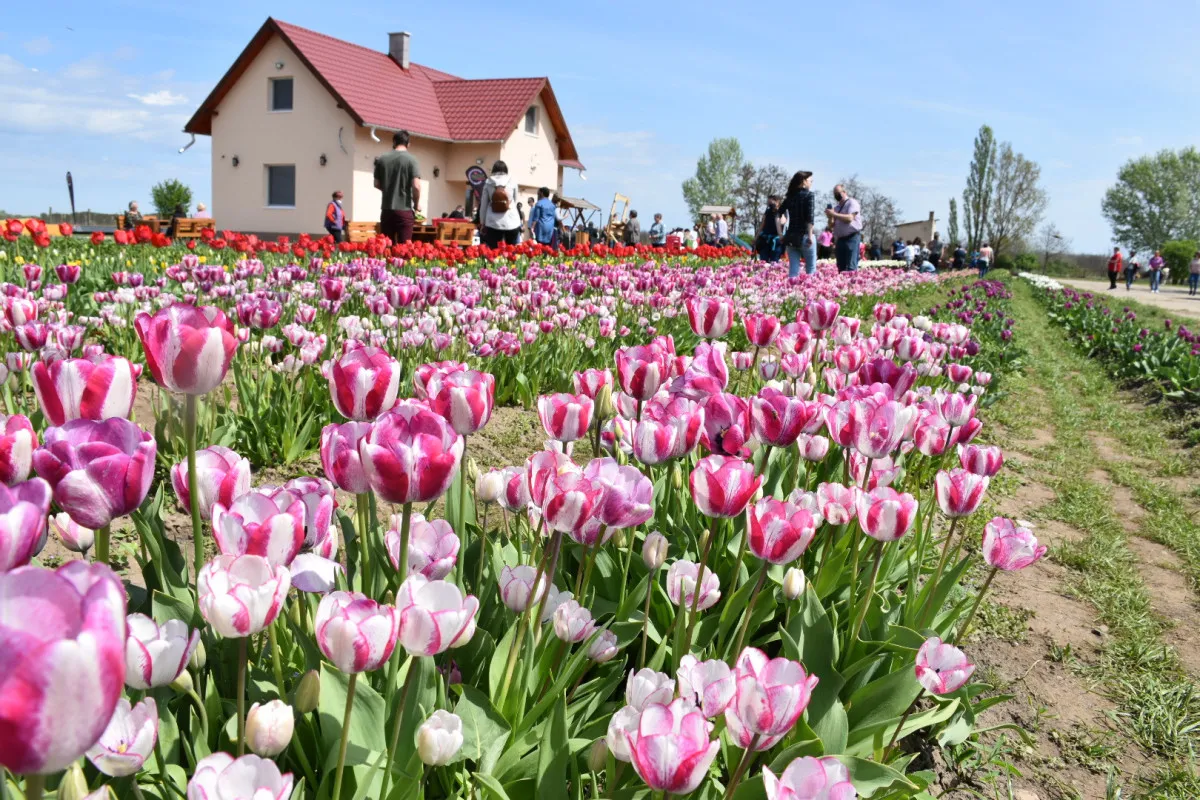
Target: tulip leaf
<point x="884" y="698"/>
<point x="870" y="777"/>
<point x="553" y="753"/>
<point x="485" y="732"/>
<point x="811" y="640"/>
<point x="366" y="720"/>
<point x="500" y="660"/>
<point x="491" y="785"/>
<point x="751" y="789"/>
<point x="166" y="607"/>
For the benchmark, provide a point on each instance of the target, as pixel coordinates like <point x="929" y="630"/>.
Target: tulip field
<point x="733" y="562"/>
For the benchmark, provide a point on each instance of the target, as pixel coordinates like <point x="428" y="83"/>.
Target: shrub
<point x="1178" y="254"/>
<point x="168" y="194"/>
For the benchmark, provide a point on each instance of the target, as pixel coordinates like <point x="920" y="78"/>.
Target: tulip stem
<point x="737" y="564"/>
<point x="341" y="764"/>
<point x="937" y="573"/>
<point x="687" y="636"/>
<point x="364" y="543"/>
<point x="387" y="770"/>
<point x="189" y="437"/>
<point x="762" y="577"/>
<point x="102" y="539"/>
<point x="550" y="559"/>
<point x="523" y="623"/>
<point x="201" y="712"/>
<point x="405" y="527"/>
<point x="593" y="552"/>
<point x="275" y="661"/>
<point x="866" y="601"/>
<point x="747" y="757"/>
<point x="887" y="752"/>
<point x="625" y="568"/>
<point x="966" y="626"/>
<point x="646" y="620"/>
<point x="241" y="694"/>
<point x="34" y="786"/>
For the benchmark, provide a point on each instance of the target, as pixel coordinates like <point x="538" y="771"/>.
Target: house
<point x="301" y="114"/>
<point x="924" y="228"/>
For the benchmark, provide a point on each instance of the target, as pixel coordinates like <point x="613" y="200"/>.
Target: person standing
<point x="936" y="246"/>
<point x="722" y="231"/>
<point x="335" y="218"/>
<point x="542" y="218"/>
<point x="1114" y="268"/>
<point x="1156" y="267"/>
<point x="960" y="257"/>
<point x="1131" y="270"/>
<point x="846" y="217"/>
<point x="766" y="237"/>
<point x="398" y="178"/>
<point x="501" y="220"/>
<point x="909" y="253"/>
<point x="898" y="248"/>
<point x="798" y="209"/>
<point x="876" y="250"/>
<point x="984" y="261"/>
<point x="710" y="230"/>
<point x="825" y="242"/>
<point x="1194" y="275"/>
<point x="658" y="232"/>
<point x="633" y="230"/>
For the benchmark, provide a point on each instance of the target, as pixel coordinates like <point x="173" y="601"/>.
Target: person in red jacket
<point x="335" y="218"/>
<point x="1114" y="268"/>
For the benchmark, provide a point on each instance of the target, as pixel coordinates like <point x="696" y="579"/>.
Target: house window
<point x="531" y="120"/>
<point x="281" y="185"/>
<point x="281" y="94"/>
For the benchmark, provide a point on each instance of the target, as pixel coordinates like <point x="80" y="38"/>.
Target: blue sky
<point x="893" y="92"/>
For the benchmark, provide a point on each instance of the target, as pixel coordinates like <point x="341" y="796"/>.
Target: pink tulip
<point x="222" y="777"/>
<point x="589" y="382"/>
<point x="426" y="373"/>
<point x="705" y="374"/>
<point x="671" y="751"/>
<point x="684" y="416"/>
<point x="364" y="383"/>
<point x="622" y="728"/>
<point x="261" y="313"/>
<point x="709" y="684"/>
<point x="540" y="469"/>
<point x="810" y="778"/>
<point x="571" y="500"/>
<point x="188" y="348"/>
<point x="515" y="494"/>
<point x="779" y="531"/>
<point x="572" y="622"/>
<point x="68" y="273"/>
<point x="888" y="372"/>
<point x="628" y="494"/>
<point x="222" y="476"/>
<point x="128" y="740"/>
<point x="968" y="431"/>
<point x="23" y="510"/>
<point x="354" y="632"/>
<point x="1009" y="546"/>
<point x="17" y="443"/>
<point x="603" y="648"/>
<point x="156" y="654"/>
<point x="32" y="335"/>
<point x="838" y="503"/>
<point x="73" y="536"/>
<point x="411" y="454"/>
<point x="62" y="663"/>
<point x="932" y="435"/>
<point x="653" y="442"/>
<point x="843" y="419"/>
<point x="465" y="398"/>
<point x="434" y="616"/>
<point x="646" y="687"/>
<point x="761" y="329"/>
<point x="340" y="456"/>
<point x="99" y="470"/>
<point x="957" y="409"/>
<point x="257" y="525"/>
<point x="812" y="448"/>
<point x="516" y="587"/>
<point x="722" y="486"/>
<point x="432" y="547"/>
<point x="877" y="430"/>
<point x="958" y="373"/>
<point x="726" y="424"/>
<point x="885" y="514"/>
<point x="74" y="388"/>
<point x="959" y="492"/>
<point x="883" y="471"/>
<point x="942" y="668"/>
<point x="980" y="460"/>
<point x="777" y="419"/>
<point x="821" y="314"/>
<point x="241" y="595"/>
<point x="316" y="495"/>
<point x="641" y="370"/>
<point x="565" y="417"/>
<point x="710" y="317"/>
<point x="771" y="695"/>
<point x="681" y="586"/>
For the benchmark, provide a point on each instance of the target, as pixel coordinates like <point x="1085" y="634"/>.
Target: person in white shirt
<point x="500" y="217"/>
<point x="722" y="231"/>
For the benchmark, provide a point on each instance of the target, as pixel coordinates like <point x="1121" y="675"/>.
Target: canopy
<point x="577" y="203"/>
<point x="729" y="210"/>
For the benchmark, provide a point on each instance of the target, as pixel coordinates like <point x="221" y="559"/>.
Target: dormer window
<point x="280" y="94"/>
<point x="531" y="120"/>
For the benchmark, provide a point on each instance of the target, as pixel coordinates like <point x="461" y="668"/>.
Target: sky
<point x="891" y="92"/>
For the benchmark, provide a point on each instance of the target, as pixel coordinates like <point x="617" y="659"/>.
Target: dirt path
<point x="1170" y="298"/>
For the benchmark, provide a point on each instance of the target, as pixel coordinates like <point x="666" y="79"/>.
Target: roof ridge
<point x="370" y="50"/>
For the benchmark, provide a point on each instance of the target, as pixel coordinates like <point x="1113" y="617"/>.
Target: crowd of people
<point x="1155" y="269"/>
<point x="133" y="216"/>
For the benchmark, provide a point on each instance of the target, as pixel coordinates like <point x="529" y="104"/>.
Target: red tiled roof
<point x="375" y="90"/>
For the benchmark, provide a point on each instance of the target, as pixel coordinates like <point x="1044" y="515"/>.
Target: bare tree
<point x="1052" y="243"/>
<point x="755" y="185"/>
<point x="1018" y="202"/>
<point x="880" y="214"/>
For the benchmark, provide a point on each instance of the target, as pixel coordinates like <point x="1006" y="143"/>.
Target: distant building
<point x="300" y="114"/>
<point x="924" y="228"/>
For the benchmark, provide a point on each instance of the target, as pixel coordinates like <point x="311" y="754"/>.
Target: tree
<point x="755" y="185"/>
<point x="716" y="178"/>
<point x="1156" y="199"/>
<point x="1018" y="202"/>
<point x="977" y="197"/>
<point x="952" y="225"/>
<point x="1051" y="242"/>
<point x="1178" y="254"/>
<point x="167" y="195"/>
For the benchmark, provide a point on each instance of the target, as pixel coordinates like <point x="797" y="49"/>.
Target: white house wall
<point x="533" y="158"/>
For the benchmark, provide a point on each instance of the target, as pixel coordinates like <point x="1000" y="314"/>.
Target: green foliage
<point x="1155" y="199"/>
<point x="717" y="174"/>
<point x="952" y="225"/>
<point x="168" y="194"/>
<point x="1018" y="200"/>
<point x="1178" y="254"/>
<point x="977" y="196"/>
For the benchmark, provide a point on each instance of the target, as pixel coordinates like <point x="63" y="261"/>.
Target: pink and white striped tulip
<point x="980" y="459"/>
<point x="23" y="510"/>
<point x="84" y="388"/>
<point x="957" y="409"/>
<point x="709" y="684"/>
<point x="73" y="536"/>
<point x="885" y="514"/>
<point x="17" y="443"/>
<point x="222" y="476"/>
<point x="812" y="447"/>
<point x="572" y="622"/>
<point x="516" y="586"/>
<point x="434" y="616"/>
<point x="771" y="695"/>
<point x="820" y="314"/>
<point x="810" y="778"/>
<point x="705" y="374"/>
<point x="426" y="373"/>
<point x="710" y="317"/>
<point x="761" y="329"/>
<point x="340" y="456"/>
<point x="515" y="494"/>
<point x="603" y="648"/>
<point x="465" y="398"/>
<point x="269" y="728"/>
<point x="241" y="595"/>
<point x="681" y="586"/>
<point x="646" y="687"/>
<point x="222" y="777"/>
<point x="565" y="417"/>
<point x="672" y="751"/>
<point x="621" y="729"/>
<point x="780" y="531"/>
<point x="571" y="500"/>
<point x="411" y="454"/>
<point x="878" y="430"/>
<point x="188" y="348"/>
<point x="726" y="424"/>
<point x="258" y="524"/>
<point x="156" y="654"/>
<point x="432" y="546"/>
<point x="942" y="668"/>
<point x="641" y="370"/>
<point x="959" y="492"/>
<point x="354" y="632"/>
<point x="364" y="383"/>
<point x="838" y="503"/>
<point x="316" y="495"/>
<point x="722" y="487"/>
<point x="778" y="419"/>
<point x="589" y="382"/>
<point x="62" y="640"/>
<point x="99" y="470"/>
<point x="1010" y="546"/>
<point x="628" y="494"/>
<point x="932" y="435"/>
<point x="541" y="468"/>
<point x="128" y="740"/>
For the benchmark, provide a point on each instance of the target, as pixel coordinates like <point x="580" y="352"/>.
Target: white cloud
<point x="163" y="97"/>
<point x="9" y="65"/>
<point x="39" y="46"/>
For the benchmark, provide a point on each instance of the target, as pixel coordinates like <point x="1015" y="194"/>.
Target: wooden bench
<point x="150" y="221"/>
<point x="192" y="227"/>
<point x="359" y="232"/>
<point x="455" y="231"/>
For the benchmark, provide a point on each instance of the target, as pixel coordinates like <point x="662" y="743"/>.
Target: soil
<point x="1171" y="599"/>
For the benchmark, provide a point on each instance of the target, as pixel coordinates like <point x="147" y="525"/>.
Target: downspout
<point x="373" y="136"/>
<point x="189" y="144"/>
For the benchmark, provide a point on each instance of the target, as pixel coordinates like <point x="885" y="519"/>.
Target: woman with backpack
<point x="500" y="218"/>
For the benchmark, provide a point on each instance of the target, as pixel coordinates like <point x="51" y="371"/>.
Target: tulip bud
<point x="604" y="408"/>
<point x="489" y="486"/>
<point x="199" y="658"/>
<point x="472" y="470"/>
<point x="439" y="738"/>
<point x="654" y="551"/>
<point x="619" y="538"/>
<point x="677" y="479"/>
<point x="702" y="542"/>
<point x="73" y="785"/>
<point x="308" y="692"/>
<point x="794" y="583"/>
<point x="598" y="755"/>
<point x="183" y="682"/>
<point x="269" y="728"/>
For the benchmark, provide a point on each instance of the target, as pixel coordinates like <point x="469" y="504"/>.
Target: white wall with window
<point x="281" y="185"/>
<point x="531" y="120"/>
<point x="280" y="94"/>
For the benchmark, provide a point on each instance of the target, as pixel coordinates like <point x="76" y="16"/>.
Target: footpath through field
<point x="1170" y="298"/>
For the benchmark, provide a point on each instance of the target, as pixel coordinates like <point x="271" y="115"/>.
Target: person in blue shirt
<point x="658" y="232"/>
<point x="543" y="217"/>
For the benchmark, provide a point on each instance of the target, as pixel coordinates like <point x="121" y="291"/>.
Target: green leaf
<point x="366" y="720"/>
<point x="870" y="777"/>
<point x="485" y="732"/>
<point x="552" y="756"/>
<point x="492" y="786"/>
<point x="500" y="660"/>
<point x="884" y="698"/>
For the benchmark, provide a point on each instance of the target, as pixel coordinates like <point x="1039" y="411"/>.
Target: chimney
<point x="398" y="47"/>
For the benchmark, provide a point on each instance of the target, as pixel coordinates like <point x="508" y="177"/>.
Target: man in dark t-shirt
<point x="397" y="176"/>
<point x="960" y="257"/>
<point x="935" y="250"/>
